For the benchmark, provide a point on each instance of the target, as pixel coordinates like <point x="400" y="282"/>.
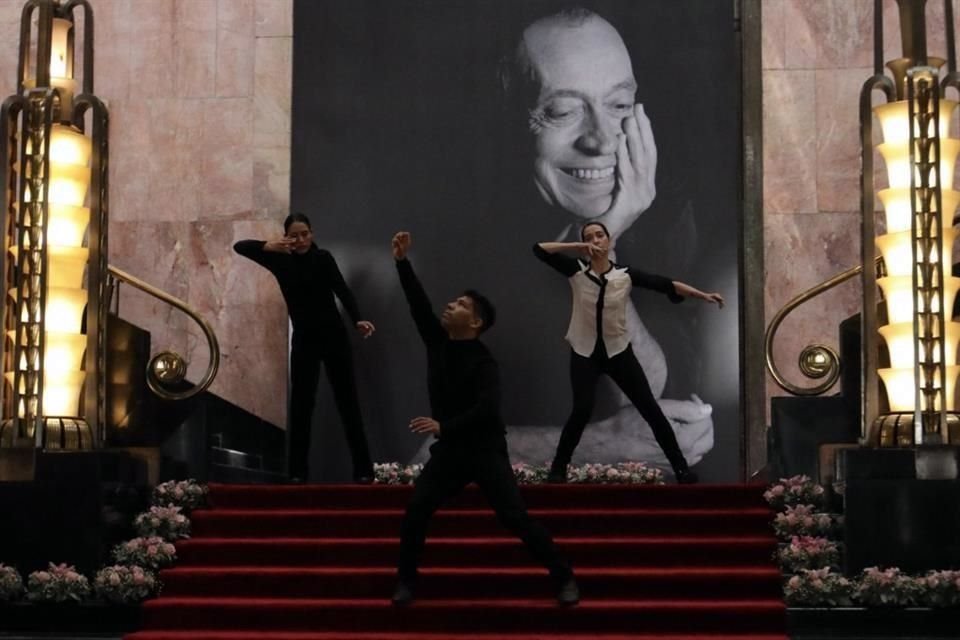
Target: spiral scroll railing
<point x="167" y="368"/>
<point x="816" y="361"/>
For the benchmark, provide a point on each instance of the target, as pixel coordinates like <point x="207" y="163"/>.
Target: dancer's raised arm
<point x="428" y="325"/>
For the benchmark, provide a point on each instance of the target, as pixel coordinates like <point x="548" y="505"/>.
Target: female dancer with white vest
<point x="600" y="344"/>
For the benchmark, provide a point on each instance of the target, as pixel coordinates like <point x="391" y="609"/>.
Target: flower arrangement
<point x="818" y="588"/>
<point x="807" y="552"/>
<point x="530" y="473"/>
<point x="122" y="584"/>
<point x="396" y="473"/>
<point x="166" y="522"/>
<point x="793" y="491"/>
<point x="888" y="588"/>
<point x="11" y="584"/>
<point x="941" y="588"/>
<point x="152" y="552"/>
<point x="620" y="473"/>
<point x="186" y="494"/>
<point x="59" y="583"/>
<point x="803" y="520"/>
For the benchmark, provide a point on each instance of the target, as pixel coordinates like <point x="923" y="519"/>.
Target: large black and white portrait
<point x="484" y="126"/>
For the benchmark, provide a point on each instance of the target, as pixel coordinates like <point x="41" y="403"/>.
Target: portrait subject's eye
<point x="561" y="110"/>
<point x="622" y="106"/>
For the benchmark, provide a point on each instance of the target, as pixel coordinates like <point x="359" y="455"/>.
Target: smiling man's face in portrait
<point x="586" y="90"/>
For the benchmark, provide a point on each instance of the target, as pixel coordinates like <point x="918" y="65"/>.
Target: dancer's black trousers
<point x="445" y="475"/>
<point x="305" y="360"/>
<point x="623" y="369"/>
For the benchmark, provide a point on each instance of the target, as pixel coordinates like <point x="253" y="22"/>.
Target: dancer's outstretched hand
<point x="281" y="245"/>
<point x="401" y="244"/>
<point x="423" y="424"/>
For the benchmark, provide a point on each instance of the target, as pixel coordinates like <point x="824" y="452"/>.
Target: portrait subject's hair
<point x="519" y="84"/>
<point x="482" y="309"/>
<point x="296" y="217"/>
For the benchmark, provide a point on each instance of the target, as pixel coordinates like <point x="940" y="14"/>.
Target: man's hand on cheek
<point x="636" y="174"/>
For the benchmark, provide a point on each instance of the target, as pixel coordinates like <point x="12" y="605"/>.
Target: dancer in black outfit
<point x="309" y="278"/>
<point x="464" y="388"/>
<point x="600" y="344"/>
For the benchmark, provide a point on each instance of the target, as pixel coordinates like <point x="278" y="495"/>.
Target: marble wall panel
<point x="235" y="55"/>
<point x="196" y="48"/>
<point x="838" y="138"/>
<point x="789" y="149"/>
<point x="274" y="18"/>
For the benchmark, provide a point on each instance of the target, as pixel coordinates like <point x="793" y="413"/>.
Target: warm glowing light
<point x="65" y="266"/>
<point x="64" y="309"/>
<point x="899" y="384"/>
<point x="899" y="295"/>
<point x="68" y="184"/>
<point x="69" y="172"/>
<point x="896" y="155"/>
<point x="902" y="347"/>
<point x="67" y="225"/>
<point x="893" y="118"/>
<point x="896" y="206"/>
<point x="60" y="48"/>
<point x="62" y="351"/>
<point x="69" y="146"/>
<point x="61" y="392"/>
<point x="897" y="250"/>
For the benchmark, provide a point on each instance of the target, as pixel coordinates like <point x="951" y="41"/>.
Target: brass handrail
<point x="168" y="367"/>
<point x="816" y="360"/>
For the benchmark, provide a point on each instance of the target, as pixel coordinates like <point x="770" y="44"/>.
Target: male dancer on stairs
<point x="464" y="389"/>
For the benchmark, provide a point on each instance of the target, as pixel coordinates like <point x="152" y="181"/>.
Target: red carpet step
<point x="364" y="552"/>
<point x="317" y="562"/>
<point x="333" y="635"/>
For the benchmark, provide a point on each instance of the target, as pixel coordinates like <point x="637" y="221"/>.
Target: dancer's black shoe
<point x="557" y="474"/>
<point x="402" y="594"/>
<point x="568" y="594"/>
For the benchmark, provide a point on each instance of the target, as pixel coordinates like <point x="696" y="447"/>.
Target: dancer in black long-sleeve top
<point x="309" y="278"/>
<point x="600" y="344"/>
<point x="464" y="387"/>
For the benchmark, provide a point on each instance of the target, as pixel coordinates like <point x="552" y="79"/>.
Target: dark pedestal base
<point x="73" y="620"/>
<point x="79" y="505"/>
<point x="902" y="508"/>
<point x="855" y="623"/>
<point x="799" y="426"/>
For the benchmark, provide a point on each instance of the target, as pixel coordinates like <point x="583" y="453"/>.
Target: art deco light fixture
<point x="918" y="366"/>
<point x="53" y="139"/>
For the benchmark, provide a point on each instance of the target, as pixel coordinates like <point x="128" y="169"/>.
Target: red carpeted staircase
<point x="316" y="562"/>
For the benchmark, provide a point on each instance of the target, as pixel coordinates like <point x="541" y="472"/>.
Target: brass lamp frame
<point x="26" y="120"/>
<point x="915" y="80"/>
